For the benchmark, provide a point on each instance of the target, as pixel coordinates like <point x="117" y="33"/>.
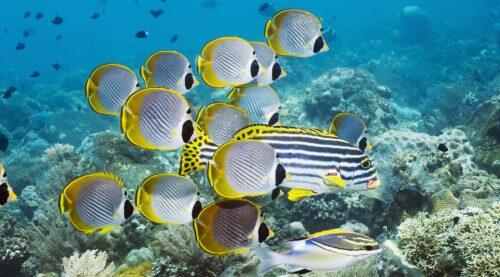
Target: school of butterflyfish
<point x="249" y="157"/>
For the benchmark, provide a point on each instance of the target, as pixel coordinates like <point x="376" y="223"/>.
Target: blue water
<point x="419" y="75"/>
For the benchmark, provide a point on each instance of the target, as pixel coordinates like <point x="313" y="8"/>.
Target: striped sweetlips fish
<point x="315" y="161"/>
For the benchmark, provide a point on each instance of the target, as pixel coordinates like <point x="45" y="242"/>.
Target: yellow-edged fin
<point x="255" y="131"/>
<point x="105" y="230"/>
<point x="234" y="95"/>
<point x="191" y="153"/>
<point x="299" y="194"/>
<point x="79" y="224"/>
<point x="202" y="229"/>
<point x="91" y="87"/>
<point x="12" y="195"/>
<point x="333" y="130"/>
<point x="271" y="34"/>
<point x="336" y="180"/>
<point x="147" y="76"/>
<point x="328" y="232"/>
<point x="130" y="117"/>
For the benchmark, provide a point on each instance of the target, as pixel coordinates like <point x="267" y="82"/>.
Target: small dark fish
<point x="35" y="74"/>
<point x="27" y="14"/>
<point x="5" y="30"/>
<point x="58" y="37"/>
<point x="156" y="13"/>
<point x="57" y="20"/>
<point x="163" y="1"/>
<point x="8" y="92"/>
<point x="264" y="7"/>
<point x="56" y="66"/>
<point x="441" y="147"/>
<point x="20" y="46"/>
<point x="95" y="15"/>
<point x="4" y="142"/>
<point x="26" y="33"/>
<point x="141" y="34"/>
<point x="174" y="38"/>
<point x="39" y="15"/>
<point x="136" y="2"/>
<point x="209" y="4"/>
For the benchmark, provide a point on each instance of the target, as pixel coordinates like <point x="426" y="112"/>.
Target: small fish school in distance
<point x="250" y="158"/>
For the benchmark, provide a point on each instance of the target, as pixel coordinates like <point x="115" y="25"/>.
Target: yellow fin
<point x="105" y="230"/>
<point x="79" y="224"/>
<point x="191" y="153"/>
<point x="147" y="76"/>
<point x="234" y="95"/>
<point x="147" y="69"/>
<point x="335" y="180"/>
<point x="299" y="194"/>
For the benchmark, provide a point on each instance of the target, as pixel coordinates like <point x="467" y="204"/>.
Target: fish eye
<point x="198" y="193"/>
<point x="369" y="247"/>
<point x="189" y="66"/>
<point x="125" y="193"/>
<point x="366" y="163"/>
<point x="253" y="52"/>
<point x="321" y="30"/>
<point x="275" y="57"/>
<point x="5" y="174"/>
<point x="188" y="111"/>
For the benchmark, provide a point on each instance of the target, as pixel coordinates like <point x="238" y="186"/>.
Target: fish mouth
<point x="373" y="183"/>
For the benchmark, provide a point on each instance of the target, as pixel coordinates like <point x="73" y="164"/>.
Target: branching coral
<point x="462" y="242"/>
<point x="91" y="263"/>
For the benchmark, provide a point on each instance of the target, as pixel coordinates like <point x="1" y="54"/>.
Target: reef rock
<point x="350" y="90"/>
<point x="483" y="128"/>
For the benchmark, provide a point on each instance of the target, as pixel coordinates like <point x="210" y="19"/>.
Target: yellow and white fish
<point x="316" y="161"/>
<point x="228" y="61"/>
<point x="168" y="198"/>
<point x="220" y="121"/>
<point x="6" y="192"/>
<point x="169" y="69"/>
<point x="268" y="59"/>
<point x="109" y="86"/>
<point x="230" y="227"/>
<point x="96" y="202"/>
<point x="295" y="33"/>
<point x="157" y="119"/>
<point x="325" y="251"/>
<point x="246" y="168"/>
<point x="262" y="104"/>
<point x="350" y="128"/>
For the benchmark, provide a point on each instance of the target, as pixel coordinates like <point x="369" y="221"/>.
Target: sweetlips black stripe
<point x="314" y="157"/>
<point x="309" y="138"/>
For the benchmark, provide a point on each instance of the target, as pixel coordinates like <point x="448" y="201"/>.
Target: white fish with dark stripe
<point x="157" y="118"/>
<point x="169" y="69"/>
<point x="295" y="33"/>
<point x="228" y="61"/>
<point x="326" y="251"/>
<point x="262" y="104"/>
<point x="168" y="198"/>
<point x="109" y="86"/>
<point x="350" y="128"/>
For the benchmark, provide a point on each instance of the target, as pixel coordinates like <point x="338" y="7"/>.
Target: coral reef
<point x="461" y="242"/>
<point x="350" y="90"/>
<point x="483" y="128"/>
<point x="89" y="264"/>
